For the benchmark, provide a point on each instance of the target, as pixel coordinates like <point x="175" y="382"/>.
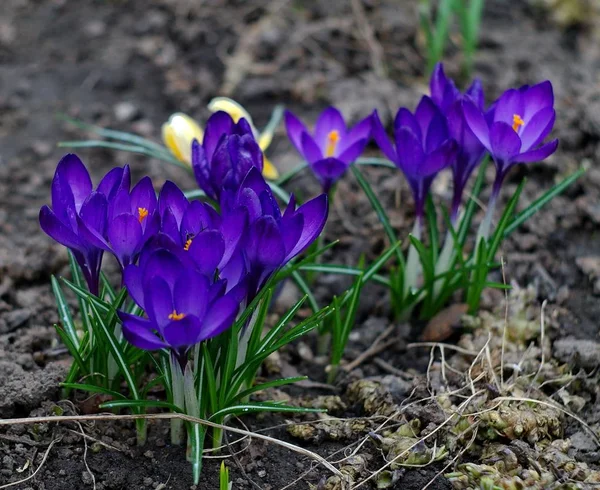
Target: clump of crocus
<point x="273" y="239"/>
<point x="183" y="306"/>
<point x="514" y="132"/>
<point x="332" y="147"/>
<point x="181" y="130"/>
<point x="227" y="152"/>
<point x="79" y="213"/>
<point x="470" y="151"/>
<point x="132" y="220"/>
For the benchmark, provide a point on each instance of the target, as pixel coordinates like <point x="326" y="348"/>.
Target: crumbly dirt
<point x="129" y="65"/>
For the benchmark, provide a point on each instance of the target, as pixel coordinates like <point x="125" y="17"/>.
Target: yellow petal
<point x="231" y="107"/>
<point x="168" y="136"/>
<point x="269" y="170"/>
<point x="264" y="140"/>
<point x="182" y="130"/>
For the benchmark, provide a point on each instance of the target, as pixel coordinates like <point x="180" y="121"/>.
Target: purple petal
<point x="133" y="280"/>
<point x="405" y="118"/>
<point x="509" y="105"/>
<point x="294" y="128"/>
<point x="437" y="84"/>
<point x="310" y="149"/>
<point x="118" y="178"/>
<point x="328" y="171"/>
<point x="171" y="197"/>
<point x="233" y="229"/>
<point x="437" y="133"/>
<point x="219" y="317"/>
<point x="381" y="138"/>
<point x="143" y="196"/>
<point x="475" y="92"/>
<point x="201" y="167"/>
<point x="183" y="333"/>
<point x="506" y="144"/>
<point x="138" y="331"/>
<point x="93" y="212"/>
<point x="71" y="184"/>
<point x="159" y="301"/>
<point x="330" y="120"/>
<point x="361" y="131"/>
<point x="219" y="124"/>
<point x="207" y="251"/>
<point x="162" y="263"/>
<point x="425" y="112"/>
<point x="477" y="123"/>
<point x="536" y="98"/>
<point x="314" y="213"/>
<point x="190" y="294"/>
<point x="537" y="128"/>
<point x="265" y="245"/>
<point x="125" y="237"/>
<point x="436" y="161"/>
<point x="410" y="151"/>
<point x="539" y="154"/>
<point x="350" y="154"/>
<point x="58" y="231"/>
<point x="196" y="219"/>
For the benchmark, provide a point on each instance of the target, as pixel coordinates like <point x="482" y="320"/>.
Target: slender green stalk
<point x="178" y="393"/>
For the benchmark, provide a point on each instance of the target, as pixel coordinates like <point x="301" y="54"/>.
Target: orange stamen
<point x="176" y="316"/>
<point x="332" y="140"/>
<point x="187" y="245"/>
<point x="517" y="122"/>
<point x="142" y="213"/>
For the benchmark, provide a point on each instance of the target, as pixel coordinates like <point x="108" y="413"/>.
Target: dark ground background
<point x="129" y="64"/>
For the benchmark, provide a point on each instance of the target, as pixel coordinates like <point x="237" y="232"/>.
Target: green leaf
<point x="93" y="389"/>
<point x="261" y="407"/>
<point x="291" y="174"/>
<point x="65" y="314"/>
<point x="343" y="270"/>
<point x="378" y="208"/>
<point x="141" y="150"/>
<point x="541" y="201"/>
<point x="306" y="290"/>
<point x="264" y="386"/>
<point x="113" y="134"/>
<point x="376" y="162"/>
<point x="115" y="349"/>
<point x="136" y="405"/>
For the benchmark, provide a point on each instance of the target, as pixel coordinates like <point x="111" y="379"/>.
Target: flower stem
<point x="486" y="224"/>
<point x="413" y="267"/>
<point x="177" y="384"/>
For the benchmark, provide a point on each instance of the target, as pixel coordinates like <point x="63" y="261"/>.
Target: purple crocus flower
<point x="133" y="219"/>
<point x="515" y="131"/>
<point x="332" y="148"/>
<point x="423" y="147"/>
<point x="182" y="305"/>
<point x="78" y="212"/>
<point x="470" y="151"/>
<point x="227" y="152"/>
<point x="198" y="232"/>
<point x="273" y="239"/>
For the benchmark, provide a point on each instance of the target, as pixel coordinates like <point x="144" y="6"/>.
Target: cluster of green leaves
<point x="465" y="265"/>
<point x="436" y="16"/>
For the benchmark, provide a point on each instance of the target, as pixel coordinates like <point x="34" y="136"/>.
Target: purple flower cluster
<point x="447" y="129"/>
<point x="187" y="264"/>
<point x="451" y="129"/>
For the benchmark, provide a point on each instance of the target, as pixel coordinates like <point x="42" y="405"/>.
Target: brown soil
<point x="128" y="65"/>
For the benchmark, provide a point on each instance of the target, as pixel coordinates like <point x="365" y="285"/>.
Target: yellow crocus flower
<point x="180" y="130"/>
<point x="178" y="133"/>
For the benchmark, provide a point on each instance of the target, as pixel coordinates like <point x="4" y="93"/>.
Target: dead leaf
<point x="443" y="325"/>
